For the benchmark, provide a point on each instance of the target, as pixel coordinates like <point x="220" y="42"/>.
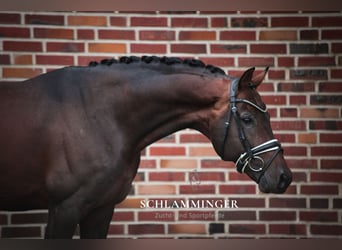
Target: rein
<point x="250" y="159"/>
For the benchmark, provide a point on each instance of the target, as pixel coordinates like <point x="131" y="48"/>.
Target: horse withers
<point x="71" y="138"/>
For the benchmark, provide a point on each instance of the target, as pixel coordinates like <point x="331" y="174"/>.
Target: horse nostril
<point x="284" y="181"/>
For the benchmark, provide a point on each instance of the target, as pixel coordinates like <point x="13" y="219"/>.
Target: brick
<point x="29" y="218"/>
<point x="193" y="138"/>
<point x="116" y="229"/>
<point x="159" y="150"/>
<point x="296" y="87"/>
<point x="107" y="47"/>
<point x="87" y="21"/>
<point x="330" y="230"/>
<point x="289" y="22"/>
<point x="250" y="202"/>
<point x="168" y="176"/>
<point x="326" y="177"/>
<point x="319" y="113"/>
<point x="208" y="176"/>
<point x="157" y="35"/>
<point x="274" y="100"/>
<point x="55" y="60"/>
<point x="197" y="35"/>
<point x="228" y="48"/>
<point x="192" y="228"/>
<point x="302" y="163"/>
<point x="248" y="22"/>
<point x="275" y="74"/>
<point x="332" y="34"/>
<point x="308" y="35"/>
<point x="336" y="47"/>
<point x="288" y="229"/>
<point x="216" y="228"/>
<point x="285" y="137"/>
<point x="237" y="215"/>
<point x="297" y="100"/>
<point x="70" y="47"/>
<point x="202" y="151"/>
<point x="140" y="229"/>
<point x="309" y="48"/>
<point x="237" y="189"/>
<point x="277" y="215"/>
<point x="326" y="216"/>
<point x="236" y="176"/>
<point x="149" y="21"/>
<point x="118" y="21"/>
<point x="189" y="22"/>
<point x="336" y="73"/>
<point x="288" y="125"/>
<point x="116" y="34"/>
<point x="197" y="189"/>
<point x="326" y="151"/>
<point x="129" y="203"/>
<point x="5" y="59"/>
<point x="44" y="19"/>
<point x="123" y="216"/>
<point x="53" y="33"/>
<point x="148" y="48"/>
<point x="330" y="87"/>
<point x="15" y="232"/>
<point x="85" y="34"/>
<point x="319" y="189"/>
<point x="326" y="99"/>
<point x="331" y="164"/>
<point x="22" y="46"/>
<point x="285" y="61"/>
<point x="189" y="48"/>
<point x="287" y="203"/>
<point x="219" y="22"/>
<point x="14" y="32"/>
<point x="8" y="18"/>
<point x="319" y="203"/>
<point x="237" y="35"/>
<point x="333" y="21"/>
<point x="325" y="125"/>
<point x="278" y="35"/>
<point x="3" y="219"/>
<point x="337" y="203"/>
<point x="330" y="137"/>
<point x="23" y="59"/>
<point x="217" y="164"/>
<point x="178" y="163"/>
<point x="156" y="216"/>
<point x="306" y="74"/>
<point x="255" y="61"/>
<point x="316" y="61"/>
<point x="156" y="189"/>
<point x="247" y="228"/>
<point x="308" y="138"/>
<point x="268" y="48"/>
<point x="20" y="72"/>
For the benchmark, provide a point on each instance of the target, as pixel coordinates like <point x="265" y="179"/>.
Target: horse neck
<point x="157" y="105"/>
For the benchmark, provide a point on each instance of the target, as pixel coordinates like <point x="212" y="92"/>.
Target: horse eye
<point x="247" y="120"/>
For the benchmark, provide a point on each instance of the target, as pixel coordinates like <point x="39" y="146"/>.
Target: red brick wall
<point x="303" y="91"/>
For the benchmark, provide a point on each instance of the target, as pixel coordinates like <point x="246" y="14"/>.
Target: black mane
<point x="155" y="59"/>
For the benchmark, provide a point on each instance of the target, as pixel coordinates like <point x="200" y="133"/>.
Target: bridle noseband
<point x="250" y="159"/>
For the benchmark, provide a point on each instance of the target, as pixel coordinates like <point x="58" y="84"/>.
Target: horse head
<point x="243" y="134"/>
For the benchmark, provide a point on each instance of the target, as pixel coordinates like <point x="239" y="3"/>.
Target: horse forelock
<point x="194" y="63"/>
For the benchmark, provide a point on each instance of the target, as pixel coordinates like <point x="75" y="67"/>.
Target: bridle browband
<point x="250" y="160"/>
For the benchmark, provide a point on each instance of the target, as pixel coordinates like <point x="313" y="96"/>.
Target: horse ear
<point x="246" y="78"/>
<point x="257" y="80"/>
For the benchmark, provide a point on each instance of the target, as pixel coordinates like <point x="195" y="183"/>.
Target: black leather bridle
<point x="250" y="160"/>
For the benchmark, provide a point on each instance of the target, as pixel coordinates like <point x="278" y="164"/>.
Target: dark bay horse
<point x="70" y="140"/>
